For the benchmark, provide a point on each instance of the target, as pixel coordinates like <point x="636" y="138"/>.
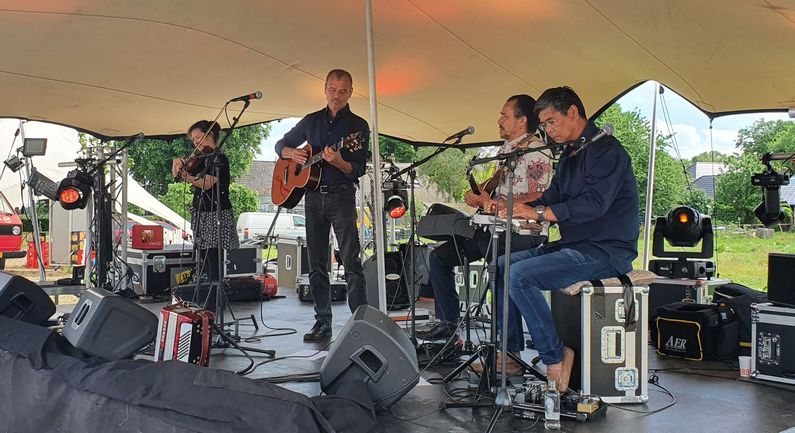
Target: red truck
<point x="10" y="233"/>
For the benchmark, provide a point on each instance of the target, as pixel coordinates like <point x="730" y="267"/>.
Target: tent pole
<point x="650" y="180"/>
<point x="374" y="148"/>
<point x="32" y="212"/>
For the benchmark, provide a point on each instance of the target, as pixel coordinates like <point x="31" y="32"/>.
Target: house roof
<point x="788" y="194"/>
<point x="707" y="183"/>
<point x="259" y="177"/>
<point x="701" y="169"/>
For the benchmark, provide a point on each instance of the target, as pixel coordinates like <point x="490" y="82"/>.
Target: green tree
<point x="708" y="156"/>
<point x="698" y="200"/>
<point x="179" y="197"/>
<point x="767" y="136"/>
<point x="402" y="151"/>
<point x="243" y="198"/>
<point x="670" y="179"/>
<point x="735" y="197"/>
<point x="150" y="160"/>
<point x="447" y="170"/>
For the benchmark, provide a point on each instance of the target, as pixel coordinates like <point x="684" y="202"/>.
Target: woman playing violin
<point x="206" y="197"/>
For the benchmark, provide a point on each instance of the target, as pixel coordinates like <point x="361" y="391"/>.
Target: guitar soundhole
<point x="298" y="170"/>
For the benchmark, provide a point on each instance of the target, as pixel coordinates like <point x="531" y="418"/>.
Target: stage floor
<point x="708" y="398"/>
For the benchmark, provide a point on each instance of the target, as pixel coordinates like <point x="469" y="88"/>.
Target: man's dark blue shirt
<point x="594" y="197"/>
<point x="320" y="130"/>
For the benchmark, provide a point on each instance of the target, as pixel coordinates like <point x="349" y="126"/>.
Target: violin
<point x="193" y="163"/>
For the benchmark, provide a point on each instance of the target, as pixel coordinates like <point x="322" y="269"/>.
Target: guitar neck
<point x="314" y="159"/>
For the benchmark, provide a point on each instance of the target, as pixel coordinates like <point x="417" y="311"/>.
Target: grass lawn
<point x="741" y="258"/>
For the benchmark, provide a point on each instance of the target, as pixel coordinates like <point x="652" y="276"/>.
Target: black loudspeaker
<point x="372" y="349"/>
<point x="781" y="278"/>
<point x="109" y="326"/>
<point x="396" y="294"/>
<point x="24" y="300"/>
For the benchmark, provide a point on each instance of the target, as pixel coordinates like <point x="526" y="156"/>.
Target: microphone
<point x="250" y="96"/>
<point x="604" y="132"/>
<point x="460" y="134"/>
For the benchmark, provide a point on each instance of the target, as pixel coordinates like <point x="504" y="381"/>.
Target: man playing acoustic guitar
<point x="333" y="203"/>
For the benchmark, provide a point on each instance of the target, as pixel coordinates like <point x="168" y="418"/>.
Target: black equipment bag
<point x="732" y="290"/>
<point x="737" y="299"/>
<point x="740" y="307"/>
<point x="687" y="330"/>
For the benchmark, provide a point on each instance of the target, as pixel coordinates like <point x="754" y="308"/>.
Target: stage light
<point x="74" y="191"/>
<point x="765" y="213"/>
<point x="14" y="163"/>
<point x="395" y="197"/>
<point x="771" y="181"/>
<point x="396" y="204"/>
<point x="683" y="227"/>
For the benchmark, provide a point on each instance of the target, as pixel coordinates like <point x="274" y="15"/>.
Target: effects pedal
<point x="528" y="403"/>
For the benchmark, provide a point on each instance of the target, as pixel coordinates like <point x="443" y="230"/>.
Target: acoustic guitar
<point x="291" y="179"/>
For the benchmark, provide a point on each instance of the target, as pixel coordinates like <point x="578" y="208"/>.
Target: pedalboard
<point x="528" y="403"/>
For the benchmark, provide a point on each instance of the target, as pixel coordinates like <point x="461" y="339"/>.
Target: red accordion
<point x="185" y="334"/>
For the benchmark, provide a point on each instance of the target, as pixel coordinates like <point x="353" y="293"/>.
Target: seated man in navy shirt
<point x="593" y="197"/>
<point x="333" y="203"/>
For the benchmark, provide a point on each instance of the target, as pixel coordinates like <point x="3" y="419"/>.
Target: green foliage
<point x="708" y="156"/>
<point x="447" y="170"/>
<point x="243" y="198"/>
<point x="764" y="136"/>
<point x="180" y="196"/>
<point x="670" y="179"/>
<point x="401" y="151"/>
<point x="735" y="197"/>
<point x="150" y="160"/>
<point x="698" y="200"/>
<point x="741" y="257"/>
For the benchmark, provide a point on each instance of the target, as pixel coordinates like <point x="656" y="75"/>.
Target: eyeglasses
<point x="545" y="125"/>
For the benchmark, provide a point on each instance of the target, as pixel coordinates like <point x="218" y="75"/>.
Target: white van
<point x="253" y="224"/>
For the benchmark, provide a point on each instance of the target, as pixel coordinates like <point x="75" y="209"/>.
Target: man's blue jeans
<point x="532" y="271"/>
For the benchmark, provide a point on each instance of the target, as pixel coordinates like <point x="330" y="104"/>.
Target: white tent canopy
<point x="63" y="146"/>
<point x="118" y="67"/>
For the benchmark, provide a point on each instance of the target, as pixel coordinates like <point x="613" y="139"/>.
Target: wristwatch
<point x="540" y="212"/>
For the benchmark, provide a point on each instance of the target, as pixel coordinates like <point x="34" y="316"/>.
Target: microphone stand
<point x="412" y="172"/>
<point x="502" y="399"/>
<point x="220" y="293"/>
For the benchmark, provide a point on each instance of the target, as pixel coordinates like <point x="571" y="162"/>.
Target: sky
<point x="690" y="126"/>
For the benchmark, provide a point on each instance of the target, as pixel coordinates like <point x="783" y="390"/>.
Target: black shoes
<point x="439" y="331"/>
<point x="321" y="331"/>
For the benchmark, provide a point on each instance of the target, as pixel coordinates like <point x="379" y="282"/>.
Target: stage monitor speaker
<point x="109" y="326"/>
<point x="24" y="300"/>
<point x="781" y="278"/>
<point x="396" y="294"/>
<point x="372" y="348"/>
